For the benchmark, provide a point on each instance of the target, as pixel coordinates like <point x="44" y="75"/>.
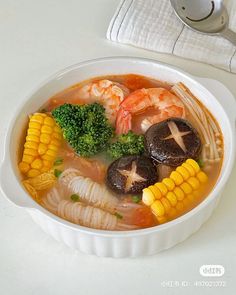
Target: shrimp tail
<point x="123" y="121"/>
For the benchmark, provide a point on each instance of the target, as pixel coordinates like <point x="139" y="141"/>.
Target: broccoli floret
<point x="84" y="127"/>
<point x="127" y="144"/>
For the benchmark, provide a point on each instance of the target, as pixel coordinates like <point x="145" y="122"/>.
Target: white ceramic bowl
<point x="113" y="243"/>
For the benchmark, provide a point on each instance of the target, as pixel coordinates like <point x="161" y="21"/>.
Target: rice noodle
<point x="51" y="201"/>
<point x="93" y="193"/>
<point x="67" y="175"/>
<point x="85" y="215"/>
<point x="82" y="214"/>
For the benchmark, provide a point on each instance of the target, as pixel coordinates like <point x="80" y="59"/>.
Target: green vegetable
<point x="126" y="144"/>
<point x="58" y="162"/>
<point x="200" y="163"/>
<point x="136" y="199"/>
<point x="118" y="215"/>
<point x="57" y="172"/>
<point x="85" y="127"/>
<point x="75" y="197"/>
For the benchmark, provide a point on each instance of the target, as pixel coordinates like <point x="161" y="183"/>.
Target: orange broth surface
<point x="95" y="167"/>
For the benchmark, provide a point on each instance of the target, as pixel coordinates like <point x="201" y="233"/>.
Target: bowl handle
<point x="223" y="95"/>
<point x="11" y="188"/>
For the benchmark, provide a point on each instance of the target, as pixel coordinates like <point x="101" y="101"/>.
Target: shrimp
<point x="138" y="101"/>
<point x="83" y="214"/>
<point x="109" y="94"/>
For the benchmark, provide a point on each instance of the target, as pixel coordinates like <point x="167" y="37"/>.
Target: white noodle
<point x="208" y="128"/>
<point x="93" y="193"/>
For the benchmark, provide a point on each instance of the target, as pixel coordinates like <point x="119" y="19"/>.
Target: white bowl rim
<point x="108" y="233"/>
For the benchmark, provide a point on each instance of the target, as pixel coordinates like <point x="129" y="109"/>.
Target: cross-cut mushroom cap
<point x="130" y="174"/>
<point x="172" y="141"/>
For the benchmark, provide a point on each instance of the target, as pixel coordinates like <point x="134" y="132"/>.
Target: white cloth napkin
<point x="153" y="25"/>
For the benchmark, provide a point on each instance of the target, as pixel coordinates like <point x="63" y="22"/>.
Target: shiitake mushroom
<point x="131" y="174"/>
<point x="172" y="141"/>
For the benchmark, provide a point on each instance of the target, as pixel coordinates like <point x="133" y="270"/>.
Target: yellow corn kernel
<point x="27" y="159"/>
<point x="46" y="129"/>
<point x="202" y="177"/>
<point x="190" y="197"/>
<point x="34" y="125"/>
<point x="148" y="198"/>
<point x="169" y="183"/>
<point x="31" y="145"/>
<point x="47" y="164"/>
<point x="45" y="138"/>
<point x="30" y="152"/>
<point x="172" y="213"/>
<point x="156" y="192"/>
<point x="194" y="182"/>
<point x="51" y="153"/>
<point x="179" y="193"/>
<point x="42" y="148"/>
<point x="31" y="190"/>
<point x="179" y="206"/>
<point x="166" y="204"/>
<point x="55" y="142"/>
<point x="186" y="188"/>
<point x="33" y="173"/>
<point x="37" y="164"/>
<point x="176" y="177"/>
<point x="161" y="219"/>
<point x="42" y="114"/>
<point x="172" y="198"/>
<point x="44" y="169"/>
<point x="57" y="129"/>
<point x="194" y="164"/>
<point x="56" y="135"/>
<point x="53" y="147"/>
<point x="189" y="168"/>
<point x="32" y="131"/>
<point x="38" y="157"/>
<point x="49" y="121"/>
<point x="183" y="171"/>
<point x="47" y="158"/>
<point x="162" y="187"/>
<point x="24" y="167"/>
<point x="37" y="118"/>
<point x="43" y="181"/>
<point x="157" y="208"/>
<point x="32" y="138"/>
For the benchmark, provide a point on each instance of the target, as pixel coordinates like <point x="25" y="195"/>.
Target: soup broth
<point x="121" y="152"/>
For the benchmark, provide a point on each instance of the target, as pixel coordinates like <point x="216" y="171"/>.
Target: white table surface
<point x="38" y="38"/>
